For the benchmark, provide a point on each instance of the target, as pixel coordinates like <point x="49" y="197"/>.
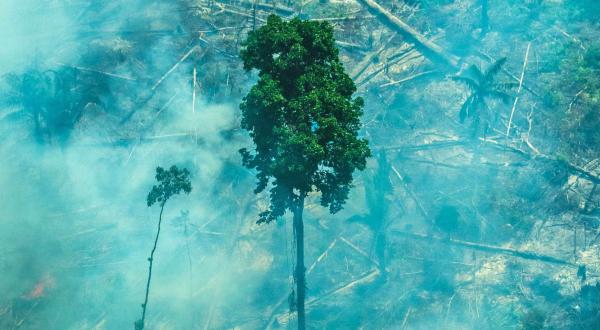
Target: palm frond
<point x="471" y="83"/>
<point x="475" y="72"/>
<point x="465" y="109"/>
<point x="494" y="69"/>
<point x="505" y="97"/>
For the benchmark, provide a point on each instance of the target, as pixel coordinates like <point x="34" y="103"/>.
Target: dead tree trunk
<point x="429" y="49"/>
<point x="488" y="248"/>
<point x="300" y="270"/>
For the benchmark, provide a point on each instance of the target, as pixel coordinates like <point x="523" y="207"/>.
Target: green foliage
<point x="576" y="94"/>
<point x="301" y="115"/>
<point x="54" y="99"/>
<point x="483" y="86"/>
<point x="171" y="182"/>
<point x="533" y="320"/>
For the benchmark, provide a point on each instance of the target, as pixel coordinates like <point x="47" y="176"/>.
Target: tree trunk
<point x="429" y="49"/>
<point x="485" y="20"/>
<point x="300" y="271"/>
<point x="139" y="325"/>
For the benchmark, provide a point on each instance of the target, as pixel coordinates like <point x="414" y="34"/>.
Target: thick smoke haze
<point x="445" y="229"/>
<point x="75" y="229"/>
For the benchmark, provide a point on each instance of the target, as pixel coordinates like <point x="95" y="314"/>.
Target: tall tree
<point x="482" y="86"/>
<point x="171" y="182"/>
<point x="304" y="123"/>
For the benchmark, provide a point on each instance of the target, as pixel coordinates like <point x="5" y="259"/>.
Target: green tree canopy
<point x="171" y="182"/>
<point x="301" y="115"/>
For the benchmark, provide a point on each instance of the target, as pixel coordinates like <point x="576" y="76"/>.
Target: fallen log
<point x="364" y="278"/>
<point x="411" y="55"/>
<point x="112" y="75"/>
<point x="426" y="146"/>
<point x="143" y="101"/>
<point x="322" y="256"/>
<point x="183" y="58"/>
<point x="413" y="77"/>
<point x="349" y="45"/>
<point x="571" y="168"/>
<point x="429" y="49"/>
<point x="360" y="251"/>
<point x="342" y="19"/>
<point x="240" y="13"/>
<point x="487" y="248"/>
<point x="366" y="62"/>
<point x="272" y="8"/>
<point x="408" y="54"/>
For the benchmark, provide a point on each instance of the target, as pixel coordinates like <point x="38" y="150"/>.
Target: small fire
<point x="40" y="288"/>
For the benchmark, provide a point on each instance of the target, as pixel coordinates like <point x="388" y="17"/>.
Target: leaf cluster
<point x="576" y="94"/>
<point x="170" y="182"/>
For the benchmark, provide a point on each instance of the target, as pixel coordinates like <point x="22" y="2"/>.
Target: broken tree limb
<point x="342" y="19"/>
<point x="113" y="75"/>
<point x="512" y="112"/>
<point x="359" y="251"/>
<point x="271" y="8"/>
<point x="406" y="55"/>
<point x="275" y="308"/>
<point x="141" y="102"/>
<point x="405" y="319"/>
<point x="411" y="194"/>
<point x="402" y="60"/>
<point x="183" y="58"/>
<point x="194" y="91"/>
<point x="571" y="168"/>
<point x="413" y="77"/>
<point x="366" y="62"/>
<point x="240" y="13"/>
<point x="426" y="146"/>
<point x="322" y="256"/>
<point x="429" y="49"/>
<point x="487" y="248"/>
<point x="364" y="278"/>
<point x="349" y="45"/>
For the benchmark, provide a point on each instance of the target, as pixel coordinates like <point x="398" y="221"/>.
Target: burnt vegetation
<point x="440" y="158"/>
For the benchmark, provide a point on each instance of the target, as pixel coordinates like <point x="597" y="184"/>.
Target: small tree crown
<point x="170" y="182"/>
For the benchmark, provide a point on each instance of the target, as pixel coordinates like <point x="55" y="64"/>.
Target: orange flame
<point x="40" y="288"/>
